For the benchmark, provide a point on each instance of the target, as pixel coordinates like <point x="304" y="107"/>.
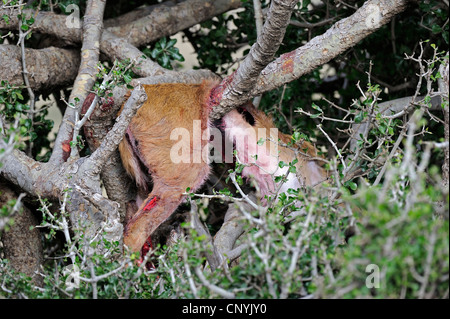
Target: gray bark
<point x="48" y="68"/>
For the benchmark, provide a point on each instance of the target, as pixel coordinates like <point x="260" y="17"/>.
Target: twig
<point x="220" y="291"/>
<point x="189" y="274"/>
<point x="319" y="126"/>
<point x="22" y="36"/>
<point x="246" y="198"/>
<point x="321" y="117"/>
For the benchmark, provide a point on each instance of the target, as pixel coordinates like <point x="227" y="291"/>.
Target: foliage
<point x="409" y="248"/>
<point x="6" y="213"/>
<point x="165" y="53"/>
<point x="17" y="125"/>
<point x="306" y="256"/>
<point x="392" y="194"/>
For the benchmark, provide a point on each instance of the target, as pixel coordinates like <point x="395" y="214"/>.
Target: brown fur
<point x="146" y="150"/>
<point x="168" y="106"/>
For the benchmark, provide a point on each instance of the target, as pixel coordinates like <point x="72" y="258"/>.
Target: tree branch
<point x="90" y="51"/>
<point x="343" y="35"/>
<point x="165" y="20"/>
<point x="443" y="83"/>
<point x="234" y="89"/>
<point x="47" y="68"/>
<point x="96" y="161"/>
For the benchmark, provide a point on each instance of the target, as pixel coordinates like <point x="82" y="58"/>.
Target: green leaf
<point x="127" y="78"/>
<point x="225" y="191"/>
<point x="261" y="141"/>
<point x="162" y="43"/>
<point x="155" y="53"/>
<point x="352" y="185"/>
<point x="171" y="43"/>
<point x="316" y="107"/>
<point x="282" y="164"/>
<point x="296" y="136"/>
<point x="435" y="29"/>
<point x="33" y="136"/>
<point x="278" y="178"/>
<point x="177" y="55"/>
<point x="165" y="61"/>
<point x="19" y="95"/>
<point x="359" y="117"/>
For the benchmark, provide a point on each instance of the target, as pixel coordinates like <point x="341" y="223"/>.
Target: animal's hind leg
<point x="170" y="181"/>
<point x="166" y="196"/>
<point x="155" y="209"/>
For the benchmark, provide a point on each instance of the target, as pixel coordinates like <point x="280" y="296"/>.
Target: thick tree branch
<point x="90" y="51"/>
<point x="120" y="49"/>
<point x="233" y="90"/>
<point x="22" y="171"/>
<point x="444" y="90"/>
<point x="109" y="144"/>
<point x="343" y="35"/>
<point x="135" y="14"/>
<point x="47" y="68"/>
<point x="169" y="19"/>
<point x="44" y="22"/>
<point x="162" y="20"/>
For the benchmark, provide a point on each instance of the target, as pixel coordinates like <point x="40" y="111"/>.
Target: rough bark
<point x="44" y="22"/>
<point x="233" y="90"/>
<point x="175" y="18"/>
<point x="22" y="243"/>
<point x="343" y="35"/>
<point x="169" y="19"/>
<point x="90" y="52"/>
<point x="135" y="14"/>
<point x="48" y="68"/>
<point x="444" y="90"/>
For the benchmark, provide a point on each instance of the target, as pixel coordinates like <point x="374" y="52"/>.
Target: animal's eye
<point x="247" y="115"/>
